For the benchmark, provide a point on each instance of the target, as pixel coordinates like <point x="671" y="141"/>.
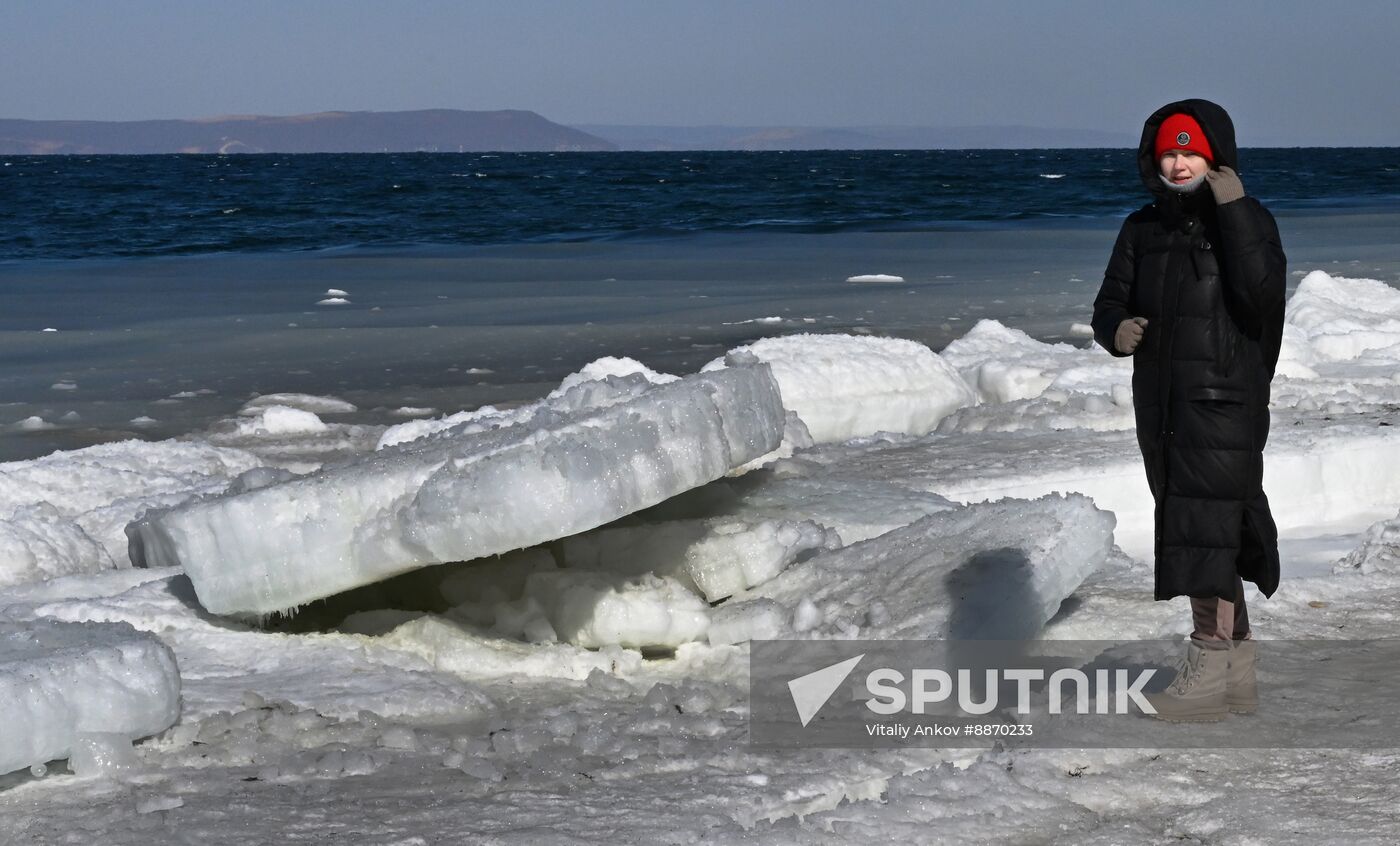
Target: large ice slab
<point x="575" y="463"/>
<point x="63" y="682"/>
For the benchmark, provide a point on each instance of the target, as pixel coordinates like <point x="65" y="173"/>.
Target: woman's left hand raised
<point x="1224" y="184"/>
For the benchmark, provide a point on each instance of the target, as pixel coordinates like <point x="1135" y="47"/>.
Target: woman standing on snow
<point x="1194" y="291"/>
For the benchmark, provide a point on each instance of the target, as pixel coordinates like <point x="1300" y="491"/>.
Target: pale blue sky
<point x="1291" y="72"/>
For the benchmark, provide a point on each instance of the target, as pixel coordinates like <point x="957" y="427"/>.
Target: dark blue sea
<point x="57" y="207"/>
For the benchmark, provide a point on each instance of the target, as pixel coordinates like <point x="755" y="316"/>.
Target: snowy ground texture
<point x="592" y="688"/>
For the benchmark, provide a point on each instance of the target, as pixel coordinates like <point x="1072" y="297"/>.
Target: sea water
<point x="180" y="286"/>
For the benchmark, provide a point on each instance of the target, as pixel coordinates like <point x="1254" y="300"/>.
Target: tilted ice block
<point x="456" y="496"/>
<point x="62" y="680"/>
<point x="994" y="570"/>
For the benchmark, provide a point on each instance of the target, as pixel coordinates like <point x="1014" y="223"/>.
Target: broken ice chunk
<point x="61" y="682"/>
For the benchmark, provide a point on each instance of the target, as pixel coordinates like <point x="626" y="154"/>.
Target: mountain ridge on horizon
<point x="421" y="130"/>
<point x="502" y="130"/>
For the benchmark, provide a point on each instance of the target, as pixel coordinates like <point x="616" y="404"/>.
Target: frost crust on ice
<point x="595" y="390"/>
<point x="61" y="682"/>
<point x="846" y="386"/>
<point x="465" y="494"/>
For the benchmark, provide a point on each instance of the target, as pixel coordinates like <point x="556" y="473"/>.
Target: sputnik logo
<point x="810" y="692"/>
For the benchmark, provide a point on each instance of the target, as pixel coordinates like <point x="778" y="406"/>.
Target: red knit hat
<point x="1181" y="132"/>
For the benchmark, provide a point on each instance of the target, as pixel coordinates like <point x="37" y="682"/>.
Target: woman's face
<point x="1182" y="165"/>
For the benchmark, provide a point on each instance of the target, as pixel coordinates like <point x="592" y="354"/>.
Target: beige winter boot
<point x="1241" y="690"/>
<point x="1198" y="693"/>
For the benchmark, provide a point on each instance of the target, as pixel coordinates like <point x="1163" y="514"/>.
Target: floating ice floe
<point x="336" y="292"/>
<point x="281" y="420"/>
<point x="81" y="689"/>
<point x="34" y="423"/>
<point x="333" y="301"/>
<point x="845" y="386"/>
<point x="874" y="277"/>
<point x="601" y="451"/>
<point x="64" y="385"/>
<point x="303" y="402"/>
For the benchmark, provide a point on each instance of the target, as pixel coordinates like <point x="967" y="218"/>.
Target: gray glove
<point x="1224" y="184"/>
<point x="1129" y="334"/>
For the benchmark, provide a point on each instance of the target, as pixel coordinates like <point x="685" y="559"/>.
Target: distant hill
<point x="628" y="137"/>
<point x="431" y="130"/>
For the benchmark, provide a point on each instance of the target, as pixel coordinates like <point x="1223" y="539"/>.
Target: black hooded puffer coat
<point x="1210" y="281"/>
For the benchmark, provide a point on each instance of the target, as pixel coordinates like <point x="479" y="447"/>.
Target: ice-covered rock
<point x="80" y="687"/>
<point x="465" y="494"/>
<point x="995" y="570"/>
<point x="845" y="386"/>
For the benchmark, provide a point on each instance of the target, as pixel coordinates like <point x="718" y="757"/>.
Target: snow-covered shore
<point x="501" y="719"/>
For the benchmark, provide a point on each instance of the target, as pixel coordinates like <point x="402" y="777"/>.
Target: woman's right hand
<point x="1129" y="334"/>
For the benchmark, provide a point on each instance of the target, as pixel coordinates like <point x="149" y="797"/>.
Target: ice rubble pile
<point x="986" y="570"/>
<point x="1341" y="347"/>
<point x="1337" y="319"/>
<point x="636" y="586"/>
<point x="600" y="450"/>
<point x="846" y="386"/>
<point x="81" y="689"/>
<point x="65" y="513"/>
<point x="563" y="396"/>
<point x="1025" y="384"/>
<point x="1379" y="551"/>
